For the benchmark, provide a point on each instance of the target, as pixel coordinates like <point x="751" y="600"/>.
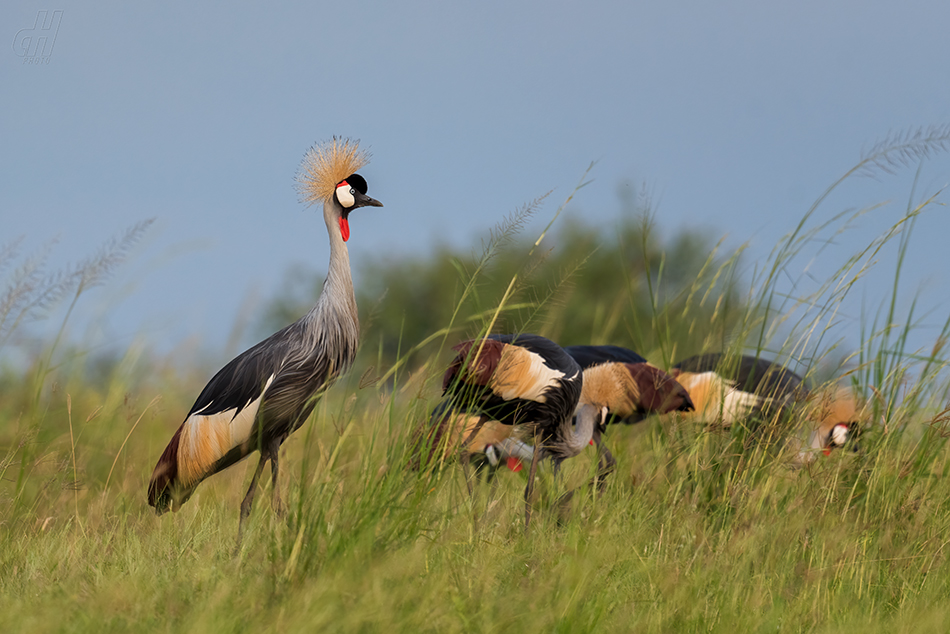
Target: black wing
<point x="242" y="380"/>
<point x="474" y="395"/>
<point x="588" y="356"/>
<point x="751" y="374"/>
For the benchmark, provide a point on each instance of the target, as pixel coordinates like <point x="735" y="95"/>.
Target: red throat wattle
<point x="344" y="228"/>
<point x="514" y="464"/>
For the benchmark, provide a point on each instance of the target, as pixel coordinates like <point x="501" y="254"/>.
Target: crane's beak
<point x="362" y="200"/>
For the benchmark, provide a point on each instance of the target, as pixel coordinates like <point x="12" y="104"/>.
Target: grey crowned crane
<point x="522" y="380"/>
<point x="630" y="388"/>
<point x="266" y="393"/>
<point x="488" y="442"/>
<point x="836" y="415"/>
<point x="728" y="389"/>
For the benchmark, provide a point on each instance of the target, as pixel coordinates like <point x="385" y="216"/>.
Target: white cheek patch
<point x="344" y="197"/>
<point x="839" y="435"/>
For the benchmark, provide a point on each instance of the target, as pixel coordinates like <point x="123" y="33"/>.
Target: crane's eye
<point x="352" y="192"/>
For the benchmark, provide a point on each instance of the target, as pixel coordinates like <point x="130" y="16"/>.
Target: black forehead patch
<point x="357" y="182"/>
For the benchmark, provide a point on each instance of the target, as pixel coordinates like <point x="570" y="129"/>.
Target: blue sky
<point x="736" y="114"/>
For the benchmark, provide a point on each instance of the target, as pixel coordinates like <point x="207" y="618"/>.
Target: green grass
<point x="697" y="530"/>
<point x="682" y="539"/>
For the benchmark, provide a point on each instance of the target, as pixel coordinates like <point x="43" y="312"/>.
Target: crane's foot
<point x="279" y="509"/>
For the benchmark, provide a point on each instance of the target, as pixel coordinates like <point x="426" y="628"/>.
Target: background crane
<point x="630" y="388"/>
<point x="728" y="389"/>
<point x="519" y="380"/>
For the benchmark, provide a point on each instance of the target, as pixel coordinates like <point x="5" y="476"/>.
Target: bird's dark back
<point x="561" y="396"/>
<point x="588" y="356"/>
<point x="751" y="374"/>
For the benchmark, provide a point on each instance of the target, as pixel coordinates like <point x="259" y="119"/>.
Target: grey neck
<point x="336" y="310"/>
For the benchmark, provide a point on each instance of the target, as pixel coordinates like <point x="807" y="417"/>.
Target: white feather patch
<point x="714" y="395"/>
<point x="522" y="374"/>
<point x="738" y="405"/>
<point x="515" y="448"/>
<point x="206" y="439"/>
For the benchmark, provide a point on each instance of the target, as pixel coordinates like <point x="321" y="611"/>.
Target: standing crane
<point x="266" y="393"/>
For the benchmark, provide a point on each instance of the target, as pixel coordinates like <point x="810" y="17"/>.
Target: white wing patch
<point x="715" y="396"/>
<point x="206" y="439"/>
<point x="522" y="374"/>
<point x="738" y="405"/>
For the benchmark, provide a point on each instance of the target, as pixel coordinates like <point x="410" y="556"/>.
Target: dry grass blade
<point x="127" y="436"/>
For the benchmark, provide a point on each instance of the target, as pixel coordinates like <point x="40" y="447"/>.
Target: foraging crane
<point x="518" y="380"/>
<point x="630" y="388"/>
<point x="490" y="443"/>
<point x="522" y="380"/>
<point x="729" y="390"/>
<point x="836" y="413"/>
<point x="263" y="395"/>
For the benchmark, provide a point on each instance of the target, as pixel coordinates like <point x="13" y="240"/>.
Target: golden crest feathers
<point x="327" y="164"/>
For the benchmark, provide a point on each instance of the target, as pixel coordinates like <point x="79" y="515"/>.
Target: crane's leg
<point x="490" y="477"/>
<point x="274" y="452"/>
<point x="529" y="489"/>
<point x="464" y="459"/>
<point x="249" y="498"/>
<point x="563" y="502"/>
<point x="606" y="463"/>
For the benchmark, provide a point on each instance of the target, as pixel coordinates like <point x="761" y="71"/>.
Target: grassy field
<point x="698" y="530"/>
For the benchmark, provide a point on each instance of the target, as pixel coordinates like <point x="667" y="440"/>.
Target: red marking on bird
<point x="345" y="228"/>
<point x="515" y="464"/>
